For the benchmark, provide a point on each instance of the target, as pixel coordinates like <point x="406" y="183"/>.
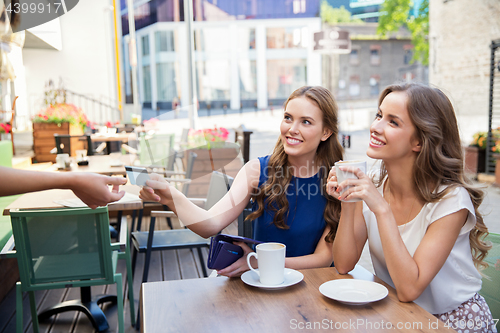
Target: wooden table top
<point x="102" y="164"/>
<point x="46" y="200"/>
<point x="228" y="305"/>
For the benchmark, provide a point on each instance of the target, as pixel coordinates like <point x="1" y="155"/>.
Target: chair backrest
<point x="189" y="171"/>
<point x="65" y="141"/>
<point x="491" y="282"/>
<point x="157" y="149"/>
<point x="62" y="246"/>
<point x="218" y="187"/>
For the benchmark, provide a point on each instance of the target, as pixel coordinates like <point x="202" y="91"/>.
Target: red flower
<point x="5" y="128"/>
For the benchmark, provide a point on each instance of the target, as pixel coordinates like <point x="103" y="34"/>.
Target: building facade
<point x="372" y="64"/>
<point x="459" y="57"/>
<point x="250" y="53"/>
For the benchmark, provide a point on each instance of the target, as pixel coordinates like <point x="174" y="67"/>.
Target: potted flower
<point x="475" y="153"/>
<point x="213" y="153"/>
<point x="5" y="128"/>
<point x="60" y="118"/>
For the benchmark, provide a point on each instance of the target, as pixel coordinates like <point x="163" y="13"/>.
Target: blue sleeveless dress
<point x="305" y="216"/>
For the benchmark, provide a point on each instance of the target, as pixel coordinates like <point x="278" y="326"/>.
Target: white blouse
<point x="458" y="280"/>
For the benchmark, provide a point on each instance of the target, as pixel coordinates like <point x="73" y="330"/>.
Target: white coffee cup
<point x="271" y="259"/>
<point x="81" y="154"/>
<point x="344" y="175"/>
<point x="62" y="160"/>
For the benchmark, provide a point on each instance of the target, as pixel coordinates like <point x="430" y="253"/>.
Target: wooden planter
<point x="227" y="158"/>
<point x="44" y="142"/>
<point x="475" y="160"/>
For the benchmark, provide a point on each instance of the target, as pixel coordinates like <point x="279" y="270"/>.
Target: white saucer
<point x="291" y="277"/>
<point x="353" y="292"/>
<point x="115" y="164"/>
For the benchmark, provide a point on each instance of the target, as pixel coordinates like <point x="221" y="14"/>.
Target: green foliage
<point x="332" y="15"/>
<point x="397" y="14"/>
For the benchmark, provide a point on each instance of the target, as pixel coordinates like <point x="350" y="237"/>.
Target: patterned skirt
<point x="472" y="316"/>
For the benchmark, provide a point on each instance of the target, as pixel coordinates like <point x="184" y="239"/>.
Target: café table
<point x="221" y="304"/>
<point x="102" y="164"/>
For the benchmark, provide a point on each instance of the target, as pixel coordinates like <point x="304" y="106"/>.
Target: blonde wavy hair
<point x="280" y="175"/>
<point x="440" y="161"/>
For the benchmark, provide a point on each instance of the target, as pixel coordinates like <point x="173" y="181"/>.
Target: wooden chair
<point x="70" y="247"/>
<point x="154" y="240"/>
<point x="491" y="279"/>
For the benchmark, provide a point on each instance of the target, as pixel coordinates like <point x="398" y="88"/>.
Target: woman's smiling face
<point x="302" y="128"/>
<point x="392" y="134"/>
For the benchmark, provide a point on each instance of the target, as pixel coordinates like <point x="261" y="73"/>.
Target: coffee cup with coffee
<point x="271" y="261"/>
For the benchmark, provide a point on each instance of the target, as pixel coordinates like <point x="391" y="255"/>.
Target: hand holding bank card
<point x="223" y="252"/>
<point x="137" y="175"/>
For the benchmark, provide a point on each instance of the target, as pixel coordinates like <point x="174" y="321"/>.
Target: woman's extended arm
<point x="203" y="222"/>
<point x="91" y="188"/>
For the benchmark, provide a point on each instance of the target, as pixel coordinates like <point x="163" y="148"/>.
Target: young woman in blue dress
<point x="287" y="188"/>
<point x="419" y="215"/>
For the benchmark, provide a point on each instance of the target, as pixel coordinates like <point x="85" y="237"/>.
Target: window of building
<point x="146" y="81"/>
<point x="374" y="85"/>
<point x="145" y="45"/>
<point x="166" y="81"/>
<point x="164" y="41"/>
<point x="354" y="88"/>
<point x="284" y="76"/>
<point x="408" y="53"/>
<point x="246" y="39"/>
<point x="299" y="6"/>
<point x="287" y="38"/>
<point x="248" y="79"/>
<point x="375" y="55"/>
<point x="211" y="39"/>
<point x="213" y="81"/>
<point x="354" y="57"/>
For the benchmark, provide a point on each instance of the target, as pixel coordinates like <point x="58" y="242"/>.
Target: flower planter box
<point x="227" y="158"/>
<point x="475" y="160"/>
<point x="44" y="142"/>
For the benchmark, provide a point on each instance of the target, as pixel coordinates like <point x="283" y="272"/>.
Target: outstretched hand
<point x="93" y="189"/>
<point x="157" y="187"/>
<point x="240" y="266"/>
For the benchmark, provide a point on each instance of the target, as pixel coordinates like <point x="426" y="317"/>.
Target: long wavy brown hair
<point x="279" y="169"/>
<point x="440" y="160"/>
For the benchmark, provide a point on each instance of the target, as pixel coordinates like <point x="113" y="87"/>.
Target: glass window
<point x="212" y="77"/>
<point x="211" y="39"/>
<point x="166" y="81"/>
<point x="286" y="38"/>
<point x="354" y="57"/>
<point x="284" y="76"/>
<point x="375" y="56"/>
<point x="246" y="39"/>
<point x="374" y="85"/>
<point x="408" y="56"/>
<point x="164" y="41"/>
<point x="354" y="88"/>
<point x="248" y="79"/>
<point x="146" y="81"/>
<point x="145" y="45"/>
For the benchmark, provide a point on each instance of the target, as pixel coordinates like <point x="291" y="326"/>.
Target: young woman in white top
<point x="419" y="214"/>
